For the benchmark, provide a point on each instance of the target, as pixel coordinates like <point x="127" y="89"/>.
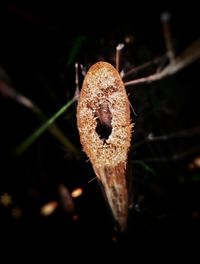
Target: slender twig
<point x="183" y="133"/>
<point x="83" y="70"/>
<point x="179" y="134"/>
<point x="144" y="66"/>
<point x="77" y="91"/>
<point x="7" y="91"/>
<point x="95" y="178"/>
<point x="118" y="51"/>
<point x="174" y="157"/>
<point x="165" y="18"/>
<point x="162" y="63"/>
<point x="188" y="56"/>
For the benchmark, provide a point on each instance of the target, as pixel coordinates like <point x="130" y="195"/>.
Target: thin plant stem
<point x="26" y="143"/>
<point x="188" y="56"/>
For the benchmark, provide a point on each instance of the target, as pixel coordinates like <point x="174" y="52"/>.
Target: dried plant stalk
<point x="103" y="119"/>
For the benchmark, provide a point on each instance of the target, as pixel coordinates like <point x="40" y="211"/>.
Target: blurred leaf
<point x="74" y="50"/>
<point x="145" y="166"/>
<point x="195" y="177"/>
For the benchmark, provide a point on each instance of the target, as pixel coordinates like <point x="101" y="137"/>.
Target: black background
<point x="36" y="41"/>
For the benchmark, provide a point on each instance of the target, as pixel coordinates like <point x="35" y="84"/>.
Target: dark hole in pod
<point x="103" y="118"/>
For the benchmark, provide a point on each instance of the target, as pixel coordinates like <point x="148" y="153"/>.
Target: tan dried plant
<point x="104" y="124"/>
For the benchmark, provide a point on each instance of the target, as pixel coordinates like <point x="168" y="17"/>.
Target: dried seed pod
<point x="103" y="119"/>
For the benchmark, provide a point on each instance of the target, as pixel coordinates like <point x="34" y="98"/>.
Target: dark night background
<point x="39" y="46"/>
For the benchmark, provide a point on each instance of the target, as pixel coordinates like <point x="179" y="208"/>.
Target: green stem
<point x="25" y="144"/>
